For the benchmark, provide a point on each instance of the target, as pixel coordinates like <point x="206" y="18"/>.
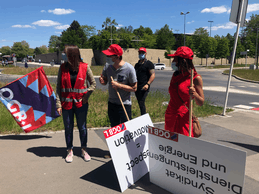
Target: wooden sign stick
<point x="121" y="102"/>
<point x="190" y="108"/>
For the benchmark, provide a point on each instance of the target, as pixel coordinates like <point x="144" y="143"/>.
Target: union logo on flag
<point x="31" y="100"/>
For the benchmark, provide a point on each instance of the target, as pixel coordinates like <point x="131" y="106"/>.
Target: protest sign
<point x="181" y="164"/>
<point x="30" y="100"/>
<point x="128" y="145"/>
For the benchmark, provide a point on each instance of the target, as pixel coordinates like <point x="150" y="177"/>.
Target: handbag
<point x="197" y="130"/>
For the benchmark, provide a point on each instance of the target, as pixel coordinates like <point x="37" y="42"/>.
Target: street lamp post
<point x="111" y="32"/>
<point x="210" y="27"/>
<point x="256" y="53"/>
<point x="184" y="23"/>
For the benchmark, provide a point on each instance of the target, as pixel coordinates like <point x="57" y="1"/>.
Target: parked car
<point x="159" y="66"/>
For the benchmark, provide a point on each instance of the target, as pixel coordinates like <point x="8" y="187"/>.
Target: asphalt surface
<point x="34" y="162"/>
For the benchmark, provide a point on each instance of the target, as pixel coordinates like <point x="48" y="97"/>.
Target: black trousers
<point x="141" y="97"/>
<point x="117" y="115"/>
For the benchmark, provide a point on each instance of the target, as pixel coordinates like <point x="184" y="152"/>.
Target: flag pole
<point x="121" y="102"/>
<point x="190" y="108"/>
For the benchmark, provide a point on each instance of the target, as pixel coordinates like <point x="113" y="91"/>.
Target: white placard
<point x="128" y="145"/>
<point x="181" y="165"/>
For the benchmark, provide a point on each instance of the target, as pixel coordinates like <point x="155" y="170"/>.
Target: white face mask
<point x="109" y="60"/>
<point x="174" y="67"/>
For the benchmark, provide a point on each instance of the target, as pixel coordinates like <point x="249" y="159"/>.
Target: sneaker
<point x="69" y="157"/>
<point x="86" y="156"/>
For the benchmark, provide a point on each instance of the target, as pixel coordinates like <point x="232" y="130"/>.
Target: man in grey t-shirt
<point x="124" y="81"/>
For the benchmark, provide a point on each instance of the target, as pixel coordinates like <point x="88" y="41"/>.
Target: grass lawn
<point x="226" y="66"/>
<point x="97" y="112"/>
<point x="248" y="74"/>
<point x="11" y="69"/>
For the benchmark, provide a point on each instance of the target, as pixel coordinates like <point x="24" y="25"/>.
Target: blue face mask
<point x="141" y="56"/>
<point x="109" y="60"/>
<point x="174" y="67"/>
<point x="64" y="57"/>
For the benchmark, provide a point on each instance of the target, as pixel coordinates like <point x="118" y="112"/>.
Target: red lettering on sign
<point x="163" y="133"/>
<point x="114" y="130"/>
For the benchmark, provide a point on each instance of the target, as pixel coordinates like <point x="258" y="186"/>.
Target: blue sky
<point x="35" y="21"/>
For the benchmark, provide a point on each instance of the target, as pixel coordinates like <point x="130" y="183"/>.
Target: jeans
<point x="117" y="115"/>
<point x="141" y="97"/>
<point x="68" y="119"/>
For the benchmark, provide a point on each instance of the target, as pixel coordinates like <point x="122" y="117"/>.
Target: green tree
<point x="250" y="34"/>
<point x="74" y="35"/>
<point x="21" y="49"/>
<point x="231" y="40"/>
<point x="5" y="50"/>
<point x="199" y="34"/>
<point x="205" y="48"/>
<point x="180" y="41"/>
<point x="44" y="49"/>
<point x="149" y="41"/>
<point x="125" y="40"/>
<point x="165" y="38"/>
<point x="168" y="51"/>
<point x="148" y="31"/>
<point x="37" y="51"/>
<point x="240" y="48"/>
<point x="213" y="47"/>
<point x="189" y="42"/>
<point x="100" y="42"/>
<point x="54" y="43"/>
<point x="222" y="49"/>
<point x="139" y="32"/>
<point x="108" y="22"/>
<point x="89" y="31"/>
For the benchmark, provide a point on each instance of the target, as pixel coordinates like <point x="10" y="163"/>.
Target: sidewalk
<point x="34" y="163"/>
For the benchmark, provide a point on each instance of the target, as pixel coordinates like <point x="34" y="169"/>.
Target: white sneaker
<point x="69" y="157"/>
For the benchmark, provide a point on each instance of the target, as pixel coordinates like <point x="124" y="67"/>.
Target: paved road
<point x="34" y="163"/>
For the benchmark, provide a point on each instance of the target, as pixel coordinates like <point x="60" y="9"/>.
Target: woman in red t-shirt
<point x="177" y="114"/>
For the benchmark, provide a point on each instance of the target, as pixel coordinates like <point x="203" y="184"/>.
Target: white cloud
<point x="62" y="27"/>
<point x="190" y="22"/>
<point x="229" y="25"/>
<point x="217" y="10"/>
<point x="253" y="7"/>
<point x="42" y="11"/>
<point x="23" y="26"/>
<point x="119" y="26"/>
<point x="59" y="11"/>
<point x="46" y="23"/>
<point x="59" y="33"/>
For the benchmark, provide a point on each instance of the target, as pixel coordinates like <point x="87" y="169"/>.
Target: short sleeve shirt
<point x="125" y="75"/>
<point x="143" y="72"/>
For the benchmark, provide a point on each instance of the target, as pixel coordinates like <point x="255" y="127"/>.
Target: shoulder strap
<point x="180" y="96"/>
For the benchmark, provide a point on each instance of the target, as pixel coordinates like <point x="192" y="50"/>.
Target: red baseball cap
<point x="142" y="49"/>
<point x="184" y="52"/>
<point x="114" y="49"/>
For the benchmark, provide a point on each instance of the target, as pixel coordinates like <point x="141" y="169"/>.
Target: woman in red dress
<point x="177" y="114"/>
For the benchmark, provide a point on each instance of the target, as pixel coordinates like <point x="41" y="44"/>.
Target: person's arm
<point x="58" y="92"/>
<point x="151" y="79"/>
<point x="91" y="80"/>
<point x="103" y="78"/>
<point x="196" y="91"/>
<point x="127" y="88"/>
